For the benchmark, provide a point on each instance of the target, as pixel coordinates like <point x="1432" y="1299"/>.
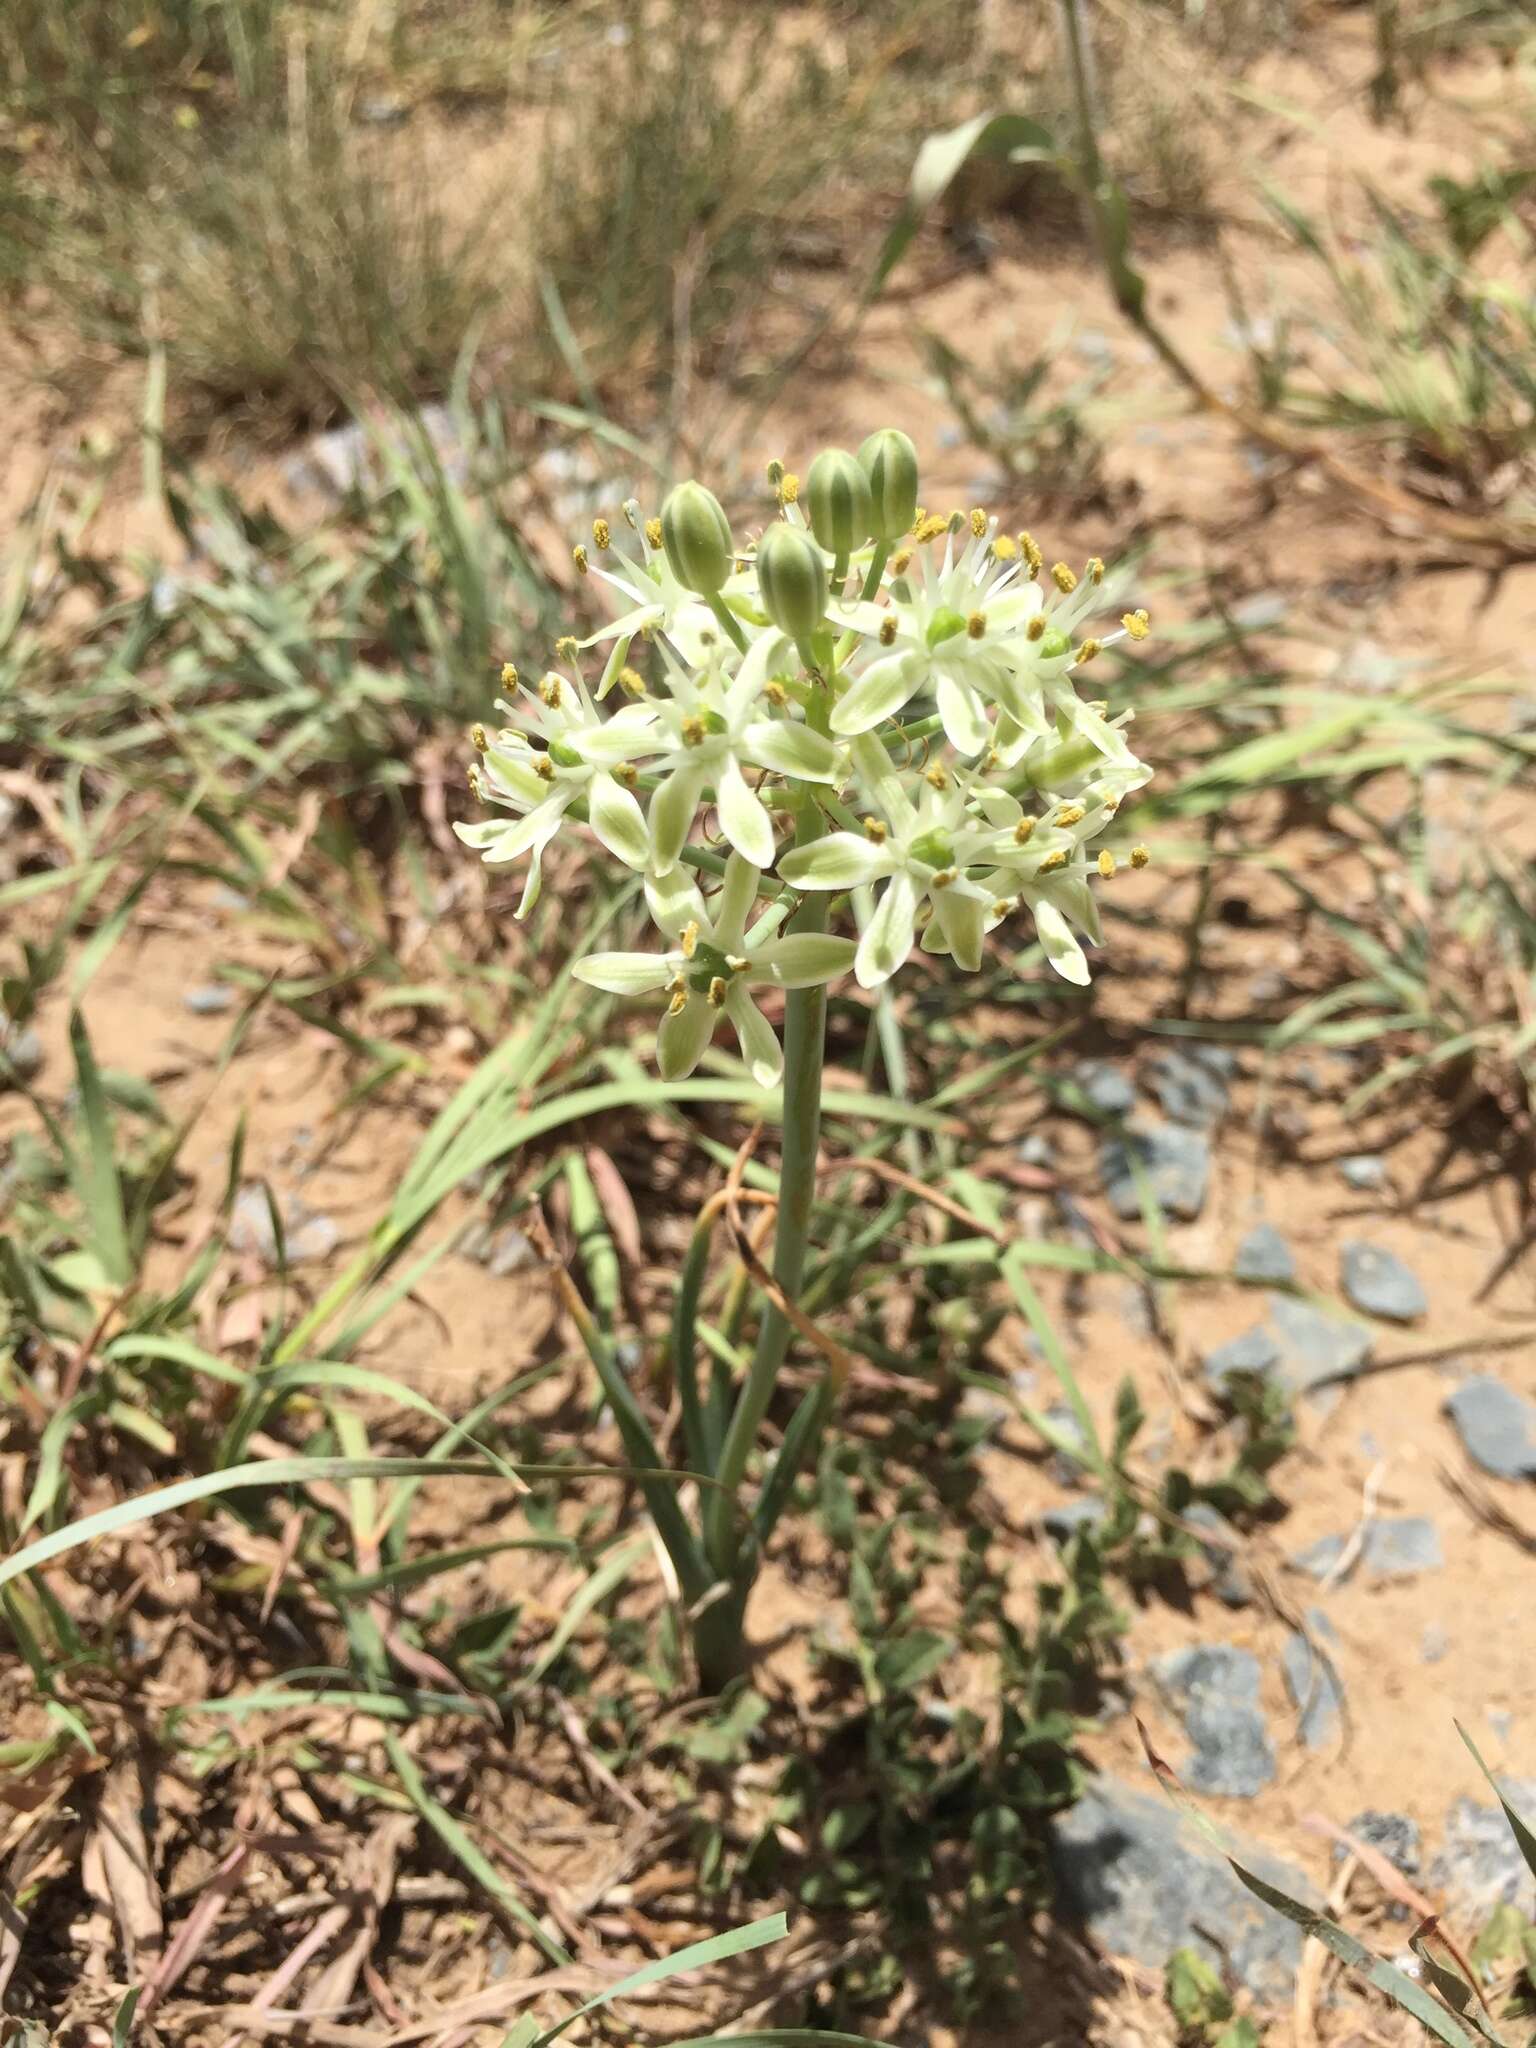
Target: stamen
<point x="602" y="533"/>
<point x="631" y="682"/>
<point x="1063" y="578"/>
<point x="978" y="521"/>
<point x="1139" y="856"/>
<point x="976" y="625"/>
<point x="653" y="533"/>
<point x="1107" y="864"/>
<point x="1052" y="861"/>
<point x="579" y="557"/>
<point x="508" y="676"/>
<point x="1137" y="623"/>
<point x="690" y="938"/>
<point x="887" y="632"/>
<point x="874" y="832"/>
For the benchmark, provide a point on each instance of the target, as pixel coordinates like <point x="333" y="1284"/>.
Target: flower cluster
<point x="875" y="705"/>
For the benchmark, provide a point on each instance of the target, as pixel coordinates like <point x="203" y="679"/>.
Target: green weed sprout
<point x="879" y="705"/>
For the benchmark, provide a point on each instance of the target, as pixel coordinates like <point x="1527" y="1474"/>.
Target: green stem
<point x="728" y="619"/>
<point x="876" y="570"/>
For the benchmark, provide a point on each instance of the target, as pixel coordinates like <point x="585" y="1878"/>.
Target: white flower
<point x="577" y="762"/>
<point x="713" y="965"/>
<point x="713" y="727"/>
<point x="655" y="603"/>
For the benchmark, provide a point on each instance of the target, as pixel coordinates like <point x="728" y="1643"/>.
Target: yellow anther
<point x="1106" y="864"/>
<point x="1035" y="630"/>
<point x="543" y="767"/>
<point x="1070" y="814"/>
<point x="565" y="647"/>
<point x="1024" y="831"/>
<point x="551" y="690"/>
<point x="718" y="990"/>
<point x="579" y="557"/>
<point x="976" y="626"/>
<point x="476" y="786"/>
<point x="694" y="730"/>
<point x="789" y="488"/>
<point x="653" y="533"/>
<point x="631" y="682"/>
<point x="1005" y="906"/>
<point x="679" y="1002"/>
<point x="992" y="759"/>
<point x="1030" y="549"/>
<point x="888" y="632"/>
<point x="508" y="676"/>
<point x="1088" y="650"/>
<point x="1139" y="856"/>
<point x="1095" y="569"/>
<point x="1052" y="861"/>
<point x="937" y="777"/>
<point x="944" y="877"/>
<point x="1063" y="578"/>
<point x="932" y="527"/>
<point x="478" y="738"/>
<point x="1111" y="804"/>
<point x="1004" y="548"/>
<point x="627" y="773"/>
<point x="919" y="517"/>
<point x="775" y="692"/>
<point x="978" y="521"/>
<point x="874" y="832"/>
<point x="901" y="562"/>
<point x="1137" y="623"/>
<point x="602" y="533"/>
<point x="1099" y="704"/>
<point x="690" y="938"/>
<point x="736" y="963"/>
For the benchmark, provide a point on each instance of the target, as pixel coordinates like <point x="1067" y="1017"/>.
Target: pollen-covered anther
<point x="1095" y="569"/>
<point x="694" y="730"/>
<point x="1004" y="548"/>
<point x="602" y="533"/>
<point x="627" y="773"/>
<point x="508" y="675"/>
<point x="543" y="767"/>
<point x="551" y="690"/>
<point x="736" y="963"/>
<point x="944" y="878"/>
<point x="1106" y="864"/>
<point x="631" y="682"/>
<point x="678" y="1002"/>
<point x="1053" y="861"/>
<point x="1139" y="856"/>
<point x="1070" y="814"/>
<point x="888" y="632"/>
<point x="719" y="988"/>
<point x="937" y="777"/>
<point x="1024" y="831"/>
<point x="976" y="626"/>
<point x="1029" y="547"/>
<point x="565" y="647"/>
<point x="1005" y="906"/>
<point x="479" y="739"/>
<point x="579" y="557"/>
<point x="476" y="786"/>
<point x="874" y="832"/>
<point x="1088" y="650"/>
<point x="978" y="522"/>
<point x="776" y="693"/>
<point x="901" y="562"/>
<point x="932" y="527"/>
<point x="789" y="488"/>
<point x="690" y="938"/>
<point x="653" y="533"/>
<point x="1099" y="704"/>
<point x="1137" y="623"/>
<point x="1064" y="578"/>
<point x="1035" y="630"/>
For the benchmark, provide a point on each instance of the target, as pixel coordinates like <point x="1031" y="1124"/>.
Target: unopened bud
<point x="792" y="580"/>
<point x="838" y="501"/>
<point x="889" y="460"/>
<point x="697" y="537"/>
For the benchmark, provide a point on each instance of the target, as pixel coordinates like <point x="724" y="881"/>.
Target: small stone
<point x="1394" y="1834"/>
<point x="1189" y="1088"/>
<point x="1364" y="1172"/>
<point x="1136" y="1308"/>
<point x="1175" y="1163"/>
<point x="1064" y="1422"/>
<point x="1480" y="1862"/>
<point x="1035" y="1150"/>
<point x="1496" y="1425"/>
<point x="211" y="1001"/>
<point x="1501" y="1721"/>
<point x="1144" y="1881"/>
<point x="1402" y="1546"/>
<point x="1434" y="1644"/>
<point x="307" y="1236"/>
<point x="1314" y="1685"/>
<point x="21" y="1055"/>
<point x="1378" y="1282"/>
<point x="1315" y="1346"/>
<point x="1215" y="1688"/>
<point x="510" y="1252"/>
<point x="1256" y="1351"/>
<point x="1264" y="1255"/>
<point x="1219" y="1545"/>
<point x="1318" y="1559"/>
<point x="1105" y="1088"/>
<point x="1061" y="1523"/>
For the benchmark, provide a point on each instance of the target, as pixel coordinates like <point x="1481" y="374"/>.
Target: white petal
<point x="730" y="908"/>
<point x="623" y="974"/>
<point x="757" y="665"/>
<point x="515" y="838"/>
<point x="962" y="913"/>
<point x="840" y="861"/>
<point x="888" y="940"/>
<point x="629" y="735"/>
<point x="803" y="959"/>
<point x="618" y="821"/>
<point x="514" y="775"/>
<point x="1061" y="947"/>
<point x="743" y="818"/>
<point x="674" y="901"/>
<point x="790" y="749"/>
<point x="682" y="1037"/>
<point x="673" y="808"/>
<point x="759" y="1042"/>
<point x="533" y="882"/>
<point x="879" y="693"/>
<point x="965" y="722"/>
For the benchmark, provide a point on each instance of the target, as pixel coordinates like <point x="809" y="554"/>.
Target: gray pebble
<point x="1215" y="1688"/>
<point x="1394" y="1834"/>
<point x="1316" y="1691"/>
<point x="1036" y="1150"/>
<point x="1176" y="1164"/>
<point x="1318" y="1559"/>
<point x="211" y="1001"/>
<point x="1144" y="1880"/>
<point x="307" y="1236"/>
<point x="1256" y="1351"/>
<point x="1480" y="1862"/>
<point x="1066" y="1425"/>
<point x="1105" y="1087"/>
<point x="1190" y="1089"/>
<point x="1402" y="1546"/>
<point x="1434" y="1644"/>
<point x="1364" y="1172"/>
<point x="1220" y="1547"/>
<point x="1315" y="1346"/>
<point x="1264" y="1255"/>
<point x="21" y="1055"/>
<point x="1496" y="1425"/>
<point x="1377" y="1281"/>
<point x="1062" y="1523"/>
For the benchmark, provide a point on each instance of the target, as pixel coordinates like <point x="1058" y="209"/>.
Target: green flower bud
<point x="838" y="501"/>
<point x="944" y="625"/>
<point x="792" y="580"/>
<point x="697" y="537"/>
<point x="889" y="460"/>
<point x="934" y="849"/>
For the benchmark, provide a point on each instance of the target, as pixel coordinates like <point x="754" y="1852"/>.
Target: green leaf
<point x="603" y="1581"/>
<point x="1518" y="1827"/>
<point x="97" y="1183"/>
<point x="698" y="1955"/>
<point x="939" y="160"/>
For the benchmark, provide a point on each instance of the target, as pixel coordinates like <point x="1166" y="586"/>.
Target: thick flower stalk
<point x="858" y="733"/>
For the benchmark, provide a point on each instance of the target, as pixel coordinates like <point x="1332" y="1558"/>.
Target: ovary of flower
<point x="1036" y="856"/>
<point x="713" y="964"/>
<point x="712" y="725"/>
<point x="922" y="852"/>
<point x="580" y="752"/>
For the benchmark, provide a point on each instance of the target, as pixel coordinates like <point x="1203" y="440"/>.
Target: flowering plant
<point x="880" y="707"/>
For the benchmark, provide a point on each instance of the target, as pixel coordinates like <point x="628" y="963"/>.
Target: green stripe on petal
<point x="803" y="959"/>
<point x="618" y="821"/>
<point x="672" y="813"/>
<point x="743" y="817"/>
<point x="965" y="722"/>
<point x="682" y="1037"/>
<point x="624" y="974"/>
<point x="790" y="749"/>
<point x="878" y="694"/>
<point x="840" y="861"/>
<point x="759" y="1042"/>
<point x="888" y="939"/>
<point x="1061" y="947"/>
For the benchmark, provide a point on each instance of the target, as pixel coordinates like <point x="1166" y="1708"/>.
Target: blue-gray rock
<point x="1434" y="1643"/>
<point x="1480" y="1862"/>
<point x="1264" y="1255"/>
<point x="1497" y="1426"/>
<point x="1319" y="1558"/>
<point x="1378" y="1282"/>
<point x="1190" y="1089"/>
<point x="1215" y="1689"/>
<point x="1316" y="1690"/>
<point x="1256" y="1350"/>
<point x="1175" y="1163"/>
<point x="307" y="1236"/>
<point x="501" y="1252"/>
<point x="1394" y="1834"/>
<point x="1315" y="1346"/>
<point x="1143" y="1881"/>
<point x="1402" y="1546"/>
<point x="1105" y="1087"/>
<point x="1061" y="1523"/>
<point x="1136" y="1308"/>
<point x="211" y="1001"/>
<point x="1064" y="1422"/>
<point x="1036" y="1150"/>
<point x="1364" y="1172"/>
<point x="21" y="1055"/>
<point x="1220" y="1550"/>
